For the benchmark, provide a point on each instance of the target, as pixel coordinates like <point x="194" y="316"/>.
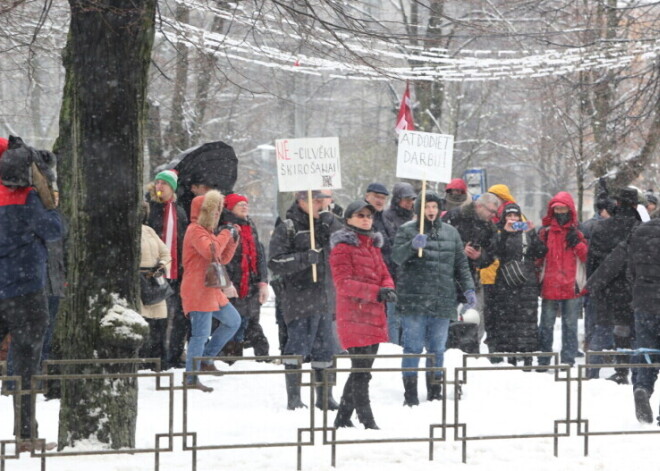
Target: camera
<point x="520" y="226"/>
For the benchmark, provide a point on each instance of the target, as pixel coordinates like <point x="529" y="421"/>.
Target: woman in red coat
<point x="363" y="285"/>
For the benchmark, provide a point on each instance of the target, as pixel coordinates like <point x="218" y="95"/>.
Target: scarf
<point x="248" y="259"/>
<point x="170" y="237"/>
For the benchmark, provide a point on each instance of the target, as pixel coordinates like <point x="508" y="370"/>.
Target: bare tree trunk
<point x="208" y="63"/>
<point x="101" y="146"/>
<point x="177" y="135"/>
<point x="154" y="136"/>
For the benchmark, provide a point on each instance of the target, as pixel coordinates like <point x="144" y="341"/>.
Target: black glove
<point x="387" y="295"/>
<point x="232" y="230"/>
<point x="313" y="256"/>
<point x="572" y="237"/>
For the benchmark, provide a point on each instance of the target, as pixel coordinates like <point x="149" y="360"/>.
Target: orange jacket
<point x="196" y="258"/>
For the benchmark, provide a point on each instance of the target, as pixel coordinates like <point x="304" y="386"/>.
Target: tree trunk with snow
<point x="100" y="147"/>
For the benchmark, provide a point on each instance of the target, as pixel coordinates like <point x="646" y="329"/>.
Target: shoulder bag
<point x="216" y="274"/>
<point x="154" y="288"/>
<point x="513" y="272"/>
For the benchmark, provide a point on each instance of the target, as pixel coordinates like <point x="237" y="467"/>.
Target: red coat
<point x="358" y="271"/>
<point x="561" y="260"/>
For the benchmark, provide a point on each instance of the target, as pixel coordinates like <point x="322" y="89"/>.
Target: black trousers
<point x="154" y="345"/>
<point x="253" y="334"/>
<point x="178" y="325"/>
<point x="356" y="389"/>
<point x="26" y="319"/>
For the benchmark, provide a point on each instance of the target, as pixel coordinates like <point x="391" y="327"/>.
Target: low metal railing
<point x="573" y="421"/>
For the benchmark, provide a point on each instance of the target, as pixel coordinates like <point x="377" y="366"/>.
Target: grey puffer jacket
<point x="427" y="285"/>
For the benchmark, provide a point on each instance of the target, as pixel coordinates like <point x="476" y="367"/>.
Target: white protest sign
<point x="425" y="156"/>
<point x="309" y="163"/>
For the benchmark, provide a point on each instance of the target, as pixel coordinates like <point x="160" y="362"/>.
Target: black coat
<point x="475" y="230"/>
<point x="234" y="266"/>
<point x="387" y="230"/>
<point x="610" y="290"/>
<point x="300" y="297"/>
<point x="155" y="221"/>
<point x="644" y="266"/>
<point x="513" y="312"/>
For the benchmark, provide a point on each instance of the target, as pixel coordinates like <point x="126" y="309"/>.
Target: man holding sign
<point x="426" y="289"/>
<point x="307" y="305"/>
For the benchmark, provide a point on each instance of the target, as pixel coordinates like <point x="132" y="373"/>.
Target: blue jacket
<point x="25" y="227"/>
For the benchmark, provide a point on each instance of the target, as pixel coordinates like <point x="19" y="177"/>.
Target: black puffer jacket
<point x="428" y="285"/>
<point x="611" y="291"/>
<point x="300" y="296"/>
<point x="385" y="228"/>
<point x="644" y="262"/>
<point x="513" y="315"/>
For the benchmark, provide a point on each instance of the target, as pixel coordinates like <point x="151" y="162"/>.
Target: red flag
<point x="404" y="121"/>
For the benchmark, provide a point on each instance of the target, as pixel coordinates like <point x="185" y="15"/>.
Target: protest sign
<point x="425" y="156"/>
<point x="308" y="163"/>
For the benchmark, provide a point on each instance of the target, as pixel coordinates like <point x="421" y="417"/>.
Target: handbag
<point x="153" y="288"/>
<point x="216" y="275"/>
<point x="514" y="271"/>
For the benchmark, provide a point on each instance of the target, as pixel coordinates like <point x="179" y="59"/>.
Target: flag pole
<point x="421" y="214"/>
<point x="312" y="239"/>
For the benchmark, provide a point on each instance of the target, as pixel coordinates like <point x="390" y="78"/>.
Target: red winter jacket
<point x="561" y="260"/>
<point x="359" y="272"/>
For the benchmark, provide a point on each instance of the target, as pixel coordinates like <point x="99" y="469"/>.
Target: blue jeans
<point x="419" y="332"/>
<point x="569" y="338"/>
<point x="199" y="344"/>
<point x="394" y="324"/>
<point x="647" y="335"/>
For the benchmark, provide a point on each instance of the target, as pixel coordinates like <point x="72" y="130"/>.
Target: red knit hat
<point x="457" y="184"/>
<point x="233" y="199"/>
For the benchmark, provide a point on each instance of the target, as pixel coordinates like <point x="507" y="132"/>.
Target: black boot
<point x="344" y="413"/>
<point x="433" y="388"/>
<point x="321" y="399"/>
<point x="643" y="409"/>
<point x="410" y="391"/>
<point x="527" y="361"/>
<point x="620" y="376"/>
<point x="366" y="416"/>
<point x="293" y="381"/>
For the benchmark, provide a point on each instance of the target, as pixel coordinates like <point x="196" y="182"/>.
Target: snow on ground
<point x="252" y="409"/>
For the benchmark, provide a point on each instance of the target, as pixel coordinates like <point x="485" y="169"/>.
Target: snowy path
<point x="251" y="409"/>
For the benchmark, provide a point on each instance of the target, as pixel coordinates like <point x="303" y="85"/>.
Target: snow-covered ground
<point x="252" y="409"/>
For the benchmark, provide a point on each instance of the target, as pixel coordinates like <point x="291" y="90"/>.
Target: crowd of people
<point x="348" y="280"/>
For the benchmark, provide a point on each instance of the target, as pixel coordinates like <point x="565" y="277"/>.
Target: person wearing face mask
<point x="427" y="291"/>
<point x="559" y="291"/>
<point x="363" y="285"/>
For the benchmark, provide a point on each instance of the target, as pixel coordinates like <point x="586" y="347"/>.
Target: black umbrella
<point x="213" y="164"/>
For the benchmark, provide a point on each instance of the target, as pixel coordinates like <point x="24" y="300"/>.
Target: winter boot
<point x="344" y="413"/>
<point x="321" y="398"/>
<point x="620" y="376"/>
<point x="527" y="362"/>
<point x="643" y="409"/>
<point x="410" y="391"/>
<point x="366" y="416"/>
<point x="433" y="388"/>
<point x="293" y="381"/>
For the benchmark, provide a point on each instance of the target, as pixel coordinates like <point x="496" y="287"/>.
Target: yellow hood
<point x="502" y="192"/>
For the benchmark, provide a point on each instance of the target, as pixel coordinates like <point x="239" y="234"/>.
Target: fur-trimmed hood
<point x="151" y="191"/>
<point x="350" y="237"/>
<point x="203" y="208"/>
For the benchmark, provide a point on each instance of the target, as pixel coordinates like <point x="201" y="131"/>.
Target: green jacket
<point x="427" y="285"/>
